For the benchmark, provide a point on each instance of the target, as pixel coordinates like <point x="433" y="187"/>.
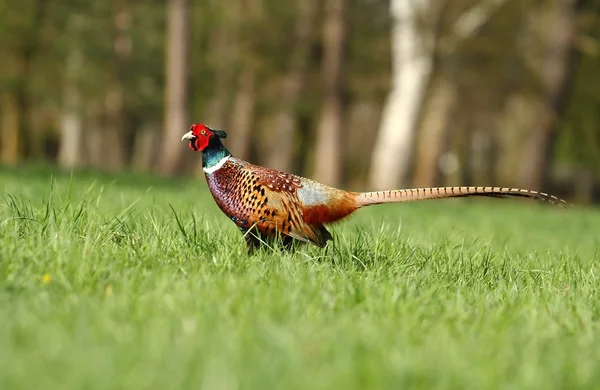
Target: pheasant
<point x="268" y="205"/>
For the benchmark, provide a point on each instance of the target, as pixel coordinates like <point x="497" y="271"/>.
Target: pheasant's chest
<point x="233" y="192"/>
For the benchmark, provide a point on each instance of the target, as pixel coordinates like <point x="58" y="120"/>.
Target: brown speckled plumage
<point x="262" y="202"/>
<point x="268" y="204"/>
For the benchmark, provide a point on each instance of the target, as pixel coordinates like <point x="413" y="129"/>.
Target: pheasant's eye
<point x="203" y="132"/>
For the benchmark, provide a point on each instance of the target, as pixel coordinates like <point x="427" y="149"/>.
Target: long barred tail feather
<point x="396" y="196"/>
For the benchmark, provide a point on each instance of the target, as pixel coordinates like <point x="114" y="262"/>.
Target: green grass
<point x="101" y="288"/>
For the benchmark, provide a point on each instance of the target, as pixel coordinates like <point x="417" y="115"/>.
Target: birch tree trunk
<point x="328" y="156"/>
<point x="71" y="123"/>
<point x="71" y="126"/>
<point x="411" y="65"/>
<point x="441" y="100"/>
<point x="412" y="60"/>
<point x="176" y="85"/>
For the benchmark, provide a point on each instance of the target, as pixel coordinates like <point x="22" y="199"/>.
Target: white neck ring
<point x="217" y="166"/>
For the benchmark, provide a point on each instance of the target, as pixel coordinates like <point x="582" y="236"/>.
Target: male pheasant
<point x="267" y="204"/>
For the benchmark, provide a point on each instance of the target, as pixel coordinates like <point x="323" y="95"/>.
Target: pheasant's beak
<point x="189" y="135"/>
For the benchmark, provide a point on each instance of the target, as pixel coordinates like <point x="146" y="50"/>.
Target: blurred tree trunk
<point x="328" y="158"/>
<point x="175" y="124"/>
<point x="94" y="135"/>
<point x="216" y="108"/>
<point x="555" y="67"/>
<point x="281" y="153"/>
<point x="242" y="118"/>
<point x="114" y="137"/>
<point x="34" y="147"/>
<point x="249" y="13"/>
<point x="441" y="100"/>
<point x="144" y="155"/>
<point x="516" y="122"/>
<point x="362" y="113"/>
<point x="224" y="48"/>
<point x="455" y="161"/>
<point x="71" y="126"/>
<point x="17" y="100"/>
<point x="10" y="149"/>
<point x="71" y="123"/>
<point x="483" y="149"/>
<point x="431" y="140"/>
<point x="411" y="65"/>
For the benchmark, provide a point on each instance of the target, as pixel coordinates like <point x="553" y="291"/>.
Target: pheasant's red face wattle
<point x="199" y="137"/>
<point x="200" y="143"/>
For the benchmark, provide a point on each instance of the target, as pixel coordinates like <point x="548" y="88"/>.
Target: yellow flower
<point x="46" y="278"/>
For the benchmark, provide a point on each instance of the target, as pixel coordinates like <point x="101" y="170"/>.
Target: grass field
<point x="100" y="288"/>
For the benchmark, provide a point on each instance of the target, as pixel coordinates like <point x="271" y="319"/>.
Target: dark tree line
<point x="361" y="93"/>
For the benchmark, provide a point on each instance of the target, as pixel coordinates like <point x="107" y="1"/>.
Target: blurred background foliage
<point x="364" y="94"/>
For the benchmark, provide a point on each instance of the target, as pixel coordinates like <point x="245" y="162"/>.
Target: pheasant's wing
<point x="276" y="208"/>
<point x="281" y="214"/>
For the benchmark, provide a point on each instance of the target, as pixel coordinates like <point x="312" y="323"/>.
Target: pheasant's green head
<point x="202" y="137"/>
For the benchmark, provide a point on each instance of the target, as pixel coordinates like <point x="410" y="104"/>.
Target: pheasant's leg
<point x="326" y="235"/>
<point x="288" y="243"/>
<point x="252" y="242"/>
